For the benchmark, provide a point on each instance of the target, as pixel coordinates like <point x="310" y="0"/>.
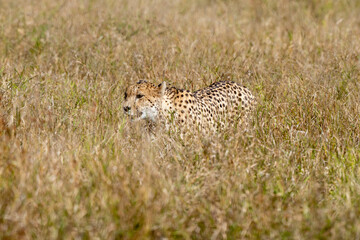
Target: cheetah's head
<point x="143" y="100"/>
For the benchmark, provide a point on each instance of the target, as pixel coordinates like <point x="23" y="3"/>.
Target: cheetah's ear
<point x="162" y="87"/>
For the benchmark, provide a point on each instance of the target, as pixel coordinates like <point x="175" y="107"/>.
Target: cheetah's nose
<point x="126" y="109"/>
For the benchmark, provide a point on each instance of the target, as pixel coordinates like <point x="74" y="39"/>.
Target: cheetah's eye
<point x="138" y="96"/>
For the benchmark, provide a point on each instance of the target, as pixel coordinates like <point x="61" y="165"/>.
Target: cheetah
<point x="208" y="109"/>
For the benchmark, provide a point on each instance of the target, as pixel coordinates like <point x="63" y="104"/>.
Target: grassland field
<point x="73" y="167"/>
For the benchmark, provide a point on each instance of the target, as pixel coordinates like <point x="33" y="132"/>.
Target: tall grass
<point x="72" y="166"/>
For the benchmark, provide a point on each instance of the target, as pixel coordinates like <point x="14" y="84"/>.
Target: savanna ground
<point x="72" y="166"/>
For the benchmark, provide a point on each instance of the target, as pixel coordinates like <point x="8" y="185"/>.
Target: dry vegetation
<point x="72" y="166"/>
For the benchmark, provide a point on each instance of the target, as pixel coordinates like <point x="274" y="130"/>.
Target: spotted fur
<point x="213" y="107"/>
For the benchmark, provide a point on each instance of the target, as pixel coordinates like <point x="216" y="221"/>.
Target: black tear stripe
<point x="150" y="101"/>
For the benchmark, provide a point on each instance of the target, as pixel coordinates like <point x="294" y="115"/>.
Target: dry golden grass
<point x="72" y="166"/>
